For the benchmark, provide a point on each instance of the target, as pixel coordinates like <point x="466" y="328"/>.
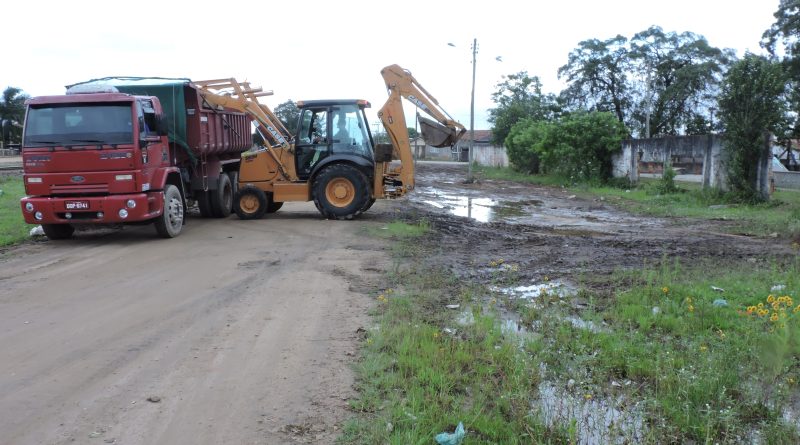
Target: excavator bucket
<point x="436" y="134"/>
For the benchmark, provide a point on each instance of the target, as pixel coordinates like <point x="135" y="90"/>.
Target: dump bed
<point x="193" y="123"/>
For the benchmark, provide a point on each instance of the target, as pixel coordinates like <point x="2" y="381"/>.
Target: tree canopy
<point x="518" y="96"/>
<point x="782" y="40"/>
<point x="12" y="109"/>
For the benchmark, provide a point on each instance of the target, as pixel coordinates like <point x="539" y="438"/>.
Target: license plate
<point x="77" y="205"/>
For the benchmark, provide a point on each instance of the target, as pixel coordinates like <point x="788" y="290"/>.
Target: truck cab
<point x="94" y="157"/>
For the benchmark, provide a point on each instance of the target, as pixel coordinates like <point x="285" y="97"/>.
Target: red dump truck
<point x="129" y="150"/>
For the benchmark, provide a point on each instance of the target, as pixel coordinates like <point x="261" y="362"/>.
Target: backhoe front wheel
<point x="250" y="203"/>
<point x="341" y="191"/>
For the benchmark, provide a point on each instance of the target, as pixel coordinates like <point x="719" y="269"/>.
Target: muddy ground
<point x="245" y="331"/>
<point x="552" y="232"/>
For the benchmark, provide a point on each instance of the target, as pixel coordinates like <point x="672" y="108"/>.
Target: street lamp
<point x="470" y="179"/>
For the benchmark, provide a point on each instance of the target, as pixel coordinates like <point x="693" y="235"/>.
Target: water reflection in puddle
<point x="536" y="290"/>
<point x="479" y="209"/>
<point x="597" y="421"/>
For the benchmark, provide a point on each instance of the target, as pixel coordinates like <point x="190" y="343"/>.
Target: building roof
<point x="481" y="136"/>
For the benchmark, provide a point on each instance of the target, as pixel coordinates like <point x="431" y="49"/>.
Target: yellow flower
<point x="493" y="301"/>
<point x="770" y="298"/>
<point x="369" y="341"/>
<point x="790" y="380"/>
<point x="665" y="289"/>
<point x="760" y="305"/>
<point x="688" y="299"/>
<point x="721" y="334"/>
<point x="703" y="348"/>
<point x="763" y="312"/>
<point x="546" y="278"/>
<point x="588" y="397"/>
<point x="751" y="309"/>
<point x="774" y="317"/>
<point x="436" y="335"/>
<point x="797" y="309"/>
<point x="691" y="308"/>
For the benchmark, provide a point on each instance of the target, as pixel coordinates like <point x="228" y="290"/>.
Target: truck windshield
<point x="77" y="124"/>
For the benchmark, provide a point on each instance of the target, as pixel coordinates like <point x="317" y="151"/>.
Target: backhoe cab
<point x="332" y="160"/>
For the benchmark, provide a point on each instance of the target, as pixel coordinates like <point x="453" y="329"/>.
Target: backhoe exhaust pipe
<point x="438" y="135"/>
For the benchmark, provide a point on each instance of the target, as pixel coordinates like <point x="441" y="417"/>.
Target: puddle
<point x="580" y="323"/>
<point x="597" y="421"/>
<point x="536" y="290"/>
<point x="481" y="209"/>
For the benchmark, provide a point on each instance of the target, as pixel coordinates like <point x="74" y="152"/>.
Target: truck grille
<point x="82" y="189"/>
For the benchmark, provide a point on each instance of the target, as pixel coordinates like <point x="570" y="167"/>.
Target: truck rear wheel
<point x="251" y="203"/>
<point x="170" y="223"/>
<point x="340" y="191"/>
<point x="221" y="199"/>
<point x="58" y="231"/>
<point x="203" y="203"/>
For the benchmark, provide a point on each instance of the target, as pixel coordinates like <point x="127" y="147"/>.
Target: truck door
<point x="313" y="142"/>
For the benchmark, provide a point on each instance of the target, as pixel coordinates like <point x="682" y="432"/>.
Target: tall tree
<point x="518" y="96"/>
<point x="597" y="74"/>
<point x="12" y="109"/>
<point x="679" y="77"/>
<point x="782" y="40"/>
<point x="288" y="113"/>
<point x="751" y="104"/>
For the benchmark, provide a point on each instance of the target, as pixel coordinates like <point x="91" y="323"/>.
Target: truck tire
<point x="251" y="203"/>
<point x="221" y="199"/>
<point x="340" y="191"/>
<point x="170" y="223"/>
<point x="203" y="203"/>
<point x="367" y="205"/>
<point x="58" y="231"/>
<point x="234" y="177"/>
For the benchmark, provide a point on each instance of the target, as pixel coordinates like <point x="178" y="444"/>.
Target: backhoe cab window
<point x="70" y="125"/>
<point x="350" y="132"/>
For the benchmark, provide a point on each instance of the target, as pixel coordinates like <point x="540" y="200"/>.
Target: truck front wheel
<point x="340" y="191"/>
<point x="58" y="231"/>
<point x="170" y="223"/>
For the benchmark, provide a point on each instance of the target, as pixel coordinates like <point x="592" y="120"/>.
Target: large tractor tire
<point x="58" y="231"/>
<point x="340" y="191"/>
<point x="170" y="223"/>
<point x="251" y="203"/>
<point x="221" y="199"/>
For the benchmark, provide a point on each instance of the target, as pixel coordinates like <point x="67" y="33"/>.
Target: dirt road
<point x="238" y="332"/>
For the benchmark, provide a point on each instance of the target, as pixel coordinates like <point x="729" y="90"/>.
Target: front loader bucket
<point x="436" y="134"/>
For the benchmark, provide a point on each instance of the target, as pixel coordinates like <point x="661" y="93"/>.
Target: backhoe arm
<point x="400" y="83"/>
<point x="231" y="94"/>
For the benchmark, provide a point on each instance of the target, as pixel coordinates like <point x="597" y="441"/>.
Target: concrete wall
<point x="490" y="155"/>
<point x="787" y="180"/>
<point x="704" y="155"/>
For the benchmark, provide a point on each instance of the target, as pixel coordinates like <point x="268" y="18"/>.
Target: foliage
<point x="12" y="225"/>
<point x="751" y="104"/>
<point x="597" y="73"/>
<point x="783" y="38"/>
<point x="578" y="146"/>
<point x="672" y="77"/>
<point x="412" y="133"/>
<point x="288" y="114"/>
<point x="12" y="108"/>
<point x="681" y="74"/>
<point x="518" y="96"/>
<point x="666" y="184"/>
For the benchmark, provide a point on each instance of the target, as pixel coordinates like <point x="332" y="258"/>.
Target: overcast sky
<point x="336" y="49"/>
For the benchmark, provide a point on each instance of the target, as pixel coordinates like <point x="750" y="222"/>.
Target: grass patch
<point x="417" y="379"/>
<point x="12" y="225"/>
<point x="709" y="366"/>
<point x="780" y="216"/>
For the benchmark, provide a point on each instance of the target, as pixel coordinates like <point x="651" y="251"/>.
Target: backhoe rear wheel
<point x="251" y="203"/>
<point x="340" y="191"/>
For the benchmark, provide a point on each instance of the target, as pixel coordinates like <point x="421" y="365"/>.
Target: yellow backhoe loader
<point x="332" y="159"/>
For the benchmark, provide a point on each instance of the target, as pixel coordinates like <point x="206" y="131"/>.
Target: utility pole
<point x="470" y="179"/>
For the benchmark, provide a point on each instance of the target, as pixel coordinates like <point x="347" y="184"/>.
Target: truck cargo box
<point x="193" y="123"/>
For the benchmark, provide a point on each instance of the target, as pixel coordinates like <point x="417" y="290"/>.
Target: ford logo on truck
<point x="77" y="179"/>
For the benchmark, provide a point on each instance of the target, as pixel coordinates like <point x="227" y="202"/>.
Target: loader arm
<point x="442" y="132"/>
<point x="241" y="96"/>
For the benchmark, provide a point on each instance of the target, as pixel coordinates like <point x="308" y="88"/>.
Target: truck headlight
<point x="123" y="213"/>
<point x="38" y="216"/>
<point x="29" y="206"/>
<point x="131" y="204"/>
